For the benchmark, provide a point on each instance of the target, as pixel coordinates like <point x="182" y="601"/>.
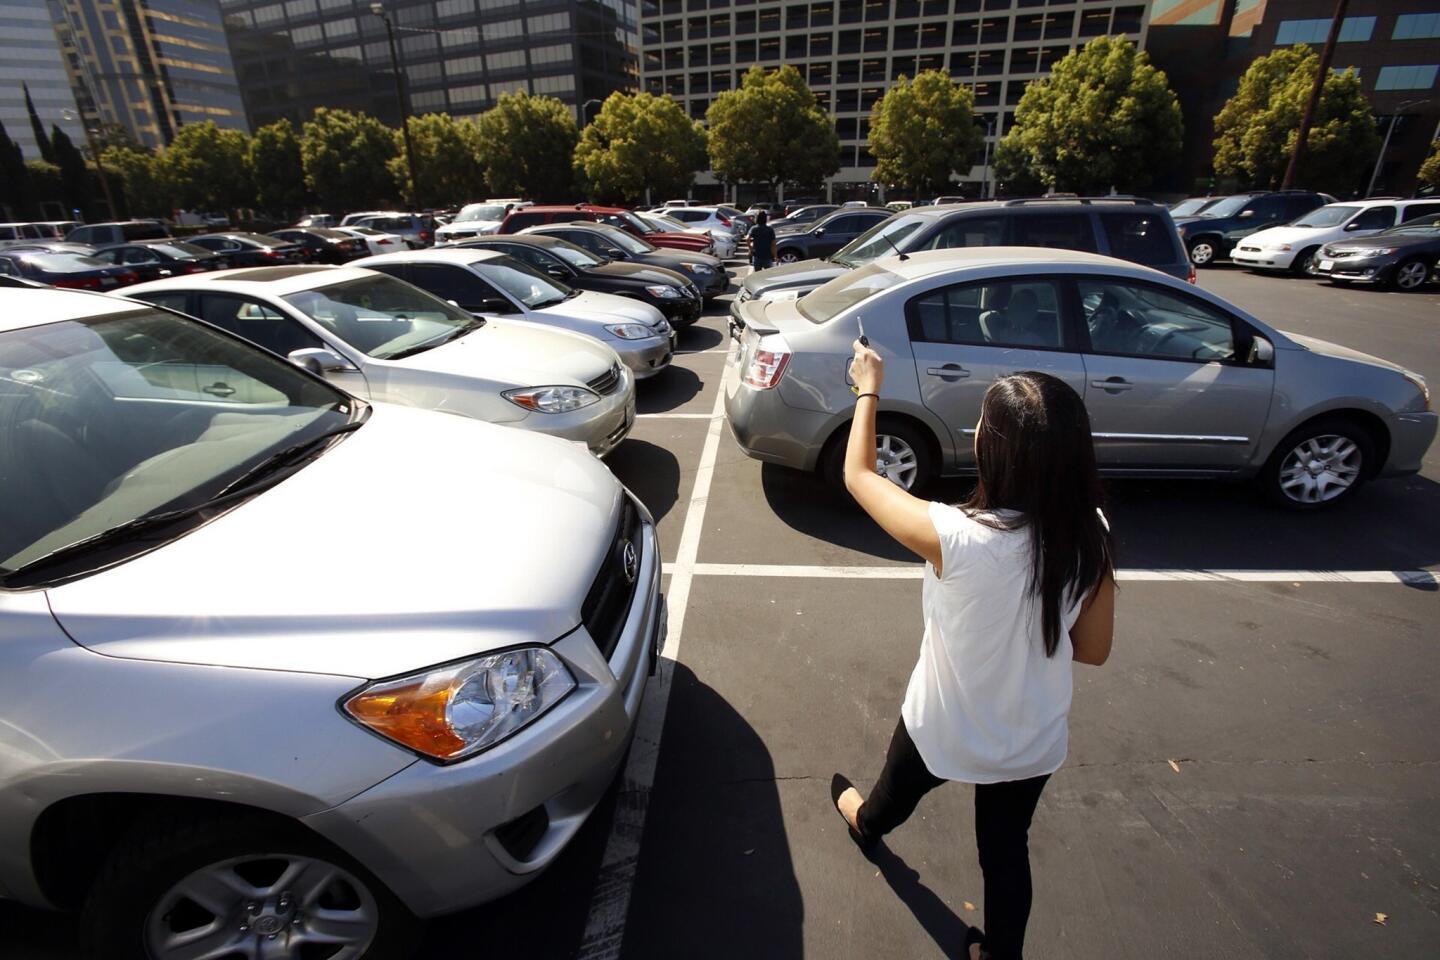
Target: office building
<point x="457" y="56"/>
<point x="150" y="66"/>
<point x="30" y="57"/>
<point x="850" y="51"/>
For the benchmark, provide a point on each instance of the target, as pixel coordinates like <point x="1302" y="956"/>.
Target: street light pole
<point x="379" y="10"/>
<point x="985" y="174"/>
<point x="585" y="110"/>
<point x="1386" y="145"/>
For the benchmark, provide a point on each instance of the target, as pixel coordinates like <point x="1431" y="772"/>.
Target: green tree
<point x="44" y="181"/>
<point x="346" y="157"/>
<point x="526" y="144"/>
<point x="1013" y="175"/>
<point x="47" y="149"/>
<point x="14" y="179"/>
<point x="639" y="142"/>
<point x="447" y="157"/>
<point x="276" y="168"/>
<point x="141" y="176"/>
<point x="771" y="131"/>
<point x="922" y="131"/>
<point x="1430" y="170"/>
<point x="1256" y="129"/>
<point x="1103" y="118"/>
<point x="208" y="168"/>
<point x="74" y="177"/>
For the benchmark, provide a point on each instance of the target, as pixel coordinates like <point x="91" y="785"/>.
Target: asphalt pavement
<point x="1254" y="774"/>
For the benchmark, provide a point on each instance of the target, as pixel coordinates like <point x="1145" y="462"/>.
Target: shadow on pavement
<point x="939" y="921"/>
<point x="809" y="505"/>
<point x="667" y="390"/>
<point x="715" y="877"/>
<point x="696" y="337"/>
<point x="651" y="472"/>
<point x="27" y="934"/>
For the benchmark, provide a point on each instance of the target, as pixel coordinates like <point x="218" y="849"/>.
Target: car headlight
<point x="784" y="295"/>
<point x="1378" y="251"/>
<point x="1282" y="247"/>
<point x="744" y="295"/>
<point x="452" y="712"/>
<point x="1419" y="383"/>
<point x="630" y="331"/>
<point x="664" y="292"/>
<point x="553" y="399"/>
<point x="698" y="267"/>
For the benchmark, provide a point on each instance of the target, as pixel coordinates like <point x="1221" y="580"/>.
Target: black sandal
<point x="838" y="785"/>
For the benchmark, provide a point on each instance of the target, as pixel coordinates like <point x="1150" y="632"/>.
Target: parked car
<point x="683" y="239"/>
<point x="1191" y="206"/>
<point x="1293" y="247"/>
<point x="49" y="246"/>
<point x="284" y="670"/>
<point x="418" y="229"/>
<point x="350" y="219"/>
<point x="477" y="220"/>
<point x="803" y="215"/>
<point x="1177" y="381"/>
<point x="317" y="220"/>
<point x="722" y="242"/>
<point x="1130" y="229"/>
<point x="491" y="283"/>
<point x="826" y="235"/>
<point x="322" y="245"/>
<point x="898" y="206"/>
<point x="153" y="259"/>
<point x="518" y="220"/>
<point x="1404" y="257"/>
<point x="386" y="340"/>
<point x="250" y="249"/>
<point x="671" y="293"/>
<point x="104" y="234"/>
<point x="1213" y="232"/>
<point x="23" y="233"/>
<point x="799" y="203"/>
<point x="711" y="219"/>
<point x="376" y="241"/>
<point x="707" y="273"/>
<point x="67" y="270"/>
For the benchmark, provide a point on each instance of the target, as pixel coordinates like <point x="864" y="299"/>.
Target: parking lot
<point x="1254" y="774"/>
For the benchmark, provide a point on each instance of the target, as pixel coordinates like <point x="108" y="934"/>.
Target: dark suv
<point x="1124" y="227"/>
<point x="1212" y="233"/>
<point x="826" y="235"/>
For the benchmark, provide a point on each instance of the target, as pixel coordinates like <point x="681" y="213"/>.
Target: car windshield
<point x="626" y="242"/>
<point x="183" y="250"/>
<point x="480" y="211"/>
<point x="64" y="262"/>
<point x="663" y="223"/>
<point x="880" y="240"/>
<point x="382" y="317"/>
<point x="1227" y="206"/>
<point x="845" y="291"/>
<point x="530" y="287"/>
<point x="123" y="416"/>
<point x="573" y="255"/>
<point x="1326" y="216"/>
<point x="1188" y="208"/>
<point x="368" y="231"/>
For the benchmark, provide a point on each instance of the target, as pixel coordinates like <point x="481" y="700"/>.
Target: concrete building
<point x="30" y="57"/>
<point x="149" y="65"/>
<point x="458" y="56"/>
<point x="850" y="51"/>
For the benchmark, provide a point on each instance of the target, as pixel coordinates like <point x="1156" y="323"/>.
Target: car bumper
<point x="430" y="832"/>
<point x="768" y="429"/>
<point x="601" y="426"/>
<point x="1353" y="269"/>
<point x="1263" y="259"/>
<point x="645" y="358"/>
<point x="713" y="284"/>
<point x="1410" y="438"/>
<point x="680" y="313"/>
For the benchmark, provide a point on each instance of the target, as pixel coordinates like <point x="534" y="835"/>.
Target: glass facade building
<point x="149" y="65"/>
<point x="457" y="56"/>
<point x="30" y="58"/>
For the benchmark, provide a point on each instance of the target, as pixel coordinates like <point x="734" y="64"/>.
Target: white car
<point x="722" y="242"/>
<point x="350" y="219"/>
<point x="1294" y="245"/>
<point x="491" y="283"/>
<point x="477" y="220"/>
<point x="383" y="339"/>
<point x="712" y="219"/>
<point x="377" y="241"/>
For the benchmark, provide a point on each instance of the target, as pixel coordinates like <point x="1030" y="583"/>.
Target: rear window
<point x="1140" y="238"/>
<point x="518" y="221"/>
<point x="830" y="300"/>
<point x="144" y="231"/>
<point x="1061" y="231"/>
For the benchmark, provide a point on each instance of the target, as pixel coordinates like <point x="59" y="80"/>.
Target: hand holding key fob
<point x="864" y="342"/>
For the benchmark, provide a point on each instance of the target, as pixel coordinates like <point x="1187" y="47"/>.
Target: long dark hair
<point x="1035" y="455"/>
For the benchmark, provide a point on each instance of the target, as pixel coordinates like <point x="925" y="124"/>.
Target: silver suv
<point x="283" y="670"/>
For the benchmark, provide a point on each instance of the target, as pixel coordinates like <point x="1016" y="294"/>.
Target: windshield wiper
<point x="574" y="292"/>
<point x="290" y="456"/>
<point x="475" y="323"/>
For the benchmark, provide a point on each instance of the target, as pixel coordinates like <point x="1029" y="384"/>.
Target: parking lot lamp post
<point x="985" y="173"/>
<point x="585" y="110"/>
<point x="379" y="10"/>
<point x="1386" y="145"/>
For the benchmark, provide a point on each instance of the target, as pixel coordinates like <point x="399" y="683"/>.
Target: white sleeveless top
<point x="984" y="703"/>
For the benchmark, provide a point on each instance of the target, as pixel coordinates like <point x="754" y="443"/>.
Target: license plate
<point x="107" y="281"/>
<point x="1327" y="264"/>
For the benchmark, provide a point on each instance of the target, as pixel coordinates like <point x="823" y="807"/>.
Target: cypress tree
<point x="72" y="171"/>
<point x="47" y="149"/>
<point x="14" y="178"/>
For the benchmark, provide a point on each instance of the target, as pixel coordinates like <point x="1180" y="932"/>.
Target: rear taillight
<point x="724" y="220"/>
<point x="271" y="254"/>
<point x="384" y="241"/>
<point x="195" y="268"/>
<point x="1191" y="278"/>
<point x="127" y="277"/>
<point x="79" y="283"/>
<point x="424" y="236"/>
<point x="767" y="364"/>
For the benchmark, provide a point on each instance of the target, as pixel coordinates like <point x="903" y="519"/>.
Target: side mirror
<point x="557" y="272"/>
<point x="1262" y="351"/>
<point x="819" y="231"/>
<point x="1246" y="214"/>
<point x="494" y="305"/>
<point x="318" y="360"/>
<point x="615" y="253"/>
<point x="1352" y="225"/>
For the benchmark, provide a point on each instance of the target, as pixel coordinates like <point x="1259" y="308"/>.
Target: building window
<point x="1315" y="31"/>
<point x="1416" y="26"/>
<point x="1407" y="78"/>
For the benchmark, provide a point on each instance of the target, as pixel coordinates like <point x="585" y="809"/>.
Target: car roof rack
<point x="1118" y="198"/>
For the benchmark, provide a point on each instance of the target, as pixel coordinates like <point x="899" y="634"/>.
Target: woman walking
<point x="1019" y="583"/>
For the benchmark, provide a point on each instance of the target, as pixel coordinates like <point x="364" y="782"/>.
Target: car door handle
<point x="948" y="372"/>
<point x="1113" y="384"/>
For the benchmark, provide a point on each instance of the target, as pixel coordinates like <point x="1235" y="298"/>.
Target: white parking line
<point x="610" y="901"/>
<point x="680" y="416"/>
<point x="915" y="572"/>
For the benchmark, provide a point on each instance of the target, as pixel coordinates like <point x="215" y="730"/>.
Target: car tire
<point x="788" y="255"/>
<point x="136" y="901"/>
<point x="1410" y="275"/>
<point x="1330" y="442"/>
<point x="1304" y="263"/>
<point x="911" y="465"/>
<point x="1202" y="252"/>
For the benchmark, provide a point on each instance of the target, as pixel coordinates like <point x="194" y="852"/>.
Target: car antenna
<point x="903" y="255"/>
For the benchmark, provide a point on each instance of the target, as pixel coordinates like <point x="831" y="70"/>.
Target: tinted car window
<point x="518" y="221"/>
<point x="257" y="322"/>
<point x="143" y="231"/>
<point x="1005" y="313"/>
<point x="456" y="284"/>
<point x="1139" y="320"/>
<point x="968" y="232"/>
<point x="1139" y="238"/>
<point x="1065" y="231"/>
<point x="171" y="301"/>
<point x="1414" y="210"/>
<point x="1376" y="218"/>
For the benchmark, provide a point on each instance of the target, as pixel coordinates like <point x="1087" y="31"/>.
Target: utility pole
<point x="1374" y="174"/>
<point x="379" y="10"/>
<point x="1303" y="133"/>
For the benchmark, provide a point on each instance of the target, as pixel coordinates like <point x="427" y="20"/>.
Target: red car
<point x="517" y="220"/>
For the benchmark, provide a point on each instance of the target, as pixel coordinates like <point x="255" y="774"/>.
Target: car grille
<point x="608" y="382"/>
<point x="1249" y="249"/>
<point x="607" y="605"/>
<point x="1342" y="254"/>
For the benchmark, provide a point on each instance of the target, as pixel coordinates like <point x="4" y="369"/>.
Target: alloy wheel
<point x="789" y="256"/>
<point x="1202" y="252"/>
<point x="1320" y="468"/>
<point x="264" y="907"/>
<point x="1412" y="275"/>
<point x="896" y="461"/>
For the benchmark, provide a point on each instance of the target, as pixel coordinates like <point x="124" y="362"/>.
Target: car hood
<point x="639" y="273"/>
<point x="686" y="240"/>
<point x="468" y="226"/>
<point x="1287" y="234"/>
<point x="1382" y="240"/>
<point x="518" y="352"/>
<point x="664" y="258"/>
<point x="1327" y="349"/>
<point x="602" y="308"/>
<point x="805" y="273"/>
<point x="420" y="538"/>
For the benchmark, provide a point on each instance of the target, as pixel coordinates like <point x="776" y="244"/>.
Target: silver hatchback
<point x="1178" y="382"/>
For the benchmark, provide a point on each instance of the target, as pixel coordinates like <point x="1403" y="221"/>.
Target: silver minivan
<point x="1178" y="382"/>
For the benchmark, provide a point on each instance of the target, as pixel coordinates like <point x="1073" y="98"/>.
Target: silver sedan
<point x="1178" y="382"/>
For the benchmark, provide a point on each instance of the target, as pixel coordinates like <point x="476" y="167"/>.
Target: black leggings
<point x="1002" y="825"/>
